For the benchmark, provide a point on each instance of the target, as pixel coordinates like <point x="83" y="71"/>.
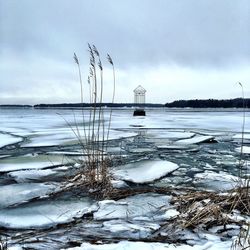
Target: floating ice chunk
<point x="169" y="134"/>
<point x="145" y="171"/>
<point x="239" y="136"/>
<point x="48" y="140"/>
<point x="216" y="181"/>
<point x="245" y="149"/>
<point x="43" y="214"/>
<point x="118" y="134"/>
<point x="29" y="162"/>
<point x="173" y="147"/>
<point x="134" y="206"/>
<point x="141" y="150"/>
<point x="27" y="175"/>
<point x="169" y="214"/>
<point x="196" y="140"/>
<point x="6" y="139"/>
<point x="18" y="193"/>
<point x="131" y="229"/>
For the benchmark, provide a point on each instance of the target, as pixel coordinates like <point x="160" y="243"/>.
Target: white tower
<point x="139" y="100"/>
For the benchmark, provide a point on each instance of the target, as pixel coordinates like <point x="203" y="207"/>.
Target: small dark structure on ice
<point x="139" y="100"/>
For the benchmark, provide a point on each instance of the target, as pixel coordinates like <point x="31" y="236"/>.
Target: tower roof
<point x="140" y="90"/>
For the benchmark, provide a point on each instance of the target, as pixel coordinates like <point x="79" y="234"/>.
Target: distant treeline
<point x="15" y="106"/>
<point x="210" y="103"/>
<point x="80" y="105"/>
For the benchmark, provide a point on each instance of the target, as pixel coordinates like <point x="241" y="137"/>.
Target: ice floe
<point x="169" y="134"/>
<point x="172" y="147"/>
<point x="196" y="140"/>
<point x="30" y="162"/>
<point x="13" y="194"/>
<point x="43" y="214"/>
<point x="31" y="175"/>
<point x="136" y="230"/>
<point x="138" y="207"/>
<point x="6" y="139"/>
<point x="145" y="171"/>
<point x="216" y="181"/>
<point x="239" y="136"/>
<point x="245" y="149"/>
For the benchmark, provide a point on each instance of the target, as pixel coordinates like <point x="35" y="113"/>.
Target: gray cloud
<point x="139" y="34"/>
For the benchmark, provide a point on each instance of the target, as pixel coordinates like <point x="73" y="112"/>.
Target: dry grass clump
<point x="94" y="133"/>
<point x="242" y="242"/>
<point x="206" y="209"/>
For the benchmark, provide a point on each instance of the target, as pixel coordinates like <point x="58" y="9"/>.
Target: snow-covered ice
<point x="216" y="181"/>
<point x="29" y="175"/>
<point x="169" y="134"/>
<point x="145" y="171"/>
<point x="133" y="229"/>
<point x="136" y="207"/>
<point x="6" y="139"/>
<point x="43" y="214"/>
<point x="18" y="193"/>
<point x="30" y="162"/>
<point x="196" y="139"/>
<point x="245" y="149"/>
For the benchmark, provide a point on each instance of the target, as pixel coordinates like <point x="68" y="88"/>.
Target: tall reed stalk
<point x="95" y="172"/>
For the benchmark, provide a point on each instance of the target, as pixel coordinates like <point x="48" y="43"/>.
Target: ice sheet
<point x="43" y="214"/>
<point x="216" y="181"/>
<point x="169" y="134"/>
<point x="29" y="175"/>
<point x="196" y="140"/>
<point x="245" y="149"/>
<point x="145" y="171"/>
<point x="18" y="193"/>
<point x="141" y="205"/>
<point x="6" y="139"/>
<point x="131" y="229"/>
<point x="30" y="162"/>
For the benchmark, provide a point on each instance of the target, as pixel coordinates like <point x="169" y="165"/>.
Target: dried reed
<point x="95" y="174"/>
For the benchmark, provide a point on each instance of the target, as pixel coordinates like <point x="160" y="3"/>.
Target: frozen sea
<point x="39" y="148"/>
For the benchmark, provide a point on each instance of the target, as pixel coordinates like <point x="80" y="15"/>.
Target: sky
<point x="175" y="49"/>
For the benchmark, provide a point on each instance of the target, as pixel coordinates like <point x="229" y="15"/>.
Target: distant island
<point x="210" y="103"/>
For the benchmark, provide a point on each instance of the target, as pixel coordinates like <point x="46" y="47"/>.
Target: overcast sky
<point x="176" y="49"/>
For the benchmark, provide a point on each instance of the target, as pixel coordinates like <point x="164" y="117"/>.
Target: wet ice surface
<point x="30" y="162"/>
<point x="6" y="139"/>
<point x="42" y="214"/>
<point x="244" y="149"/>
<point x="165" y="148"/>
<point x="15" y="194"/>
<point x="138" y="207"/>
<point x="215" y="181"/>
<point x="145" y="171"/>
